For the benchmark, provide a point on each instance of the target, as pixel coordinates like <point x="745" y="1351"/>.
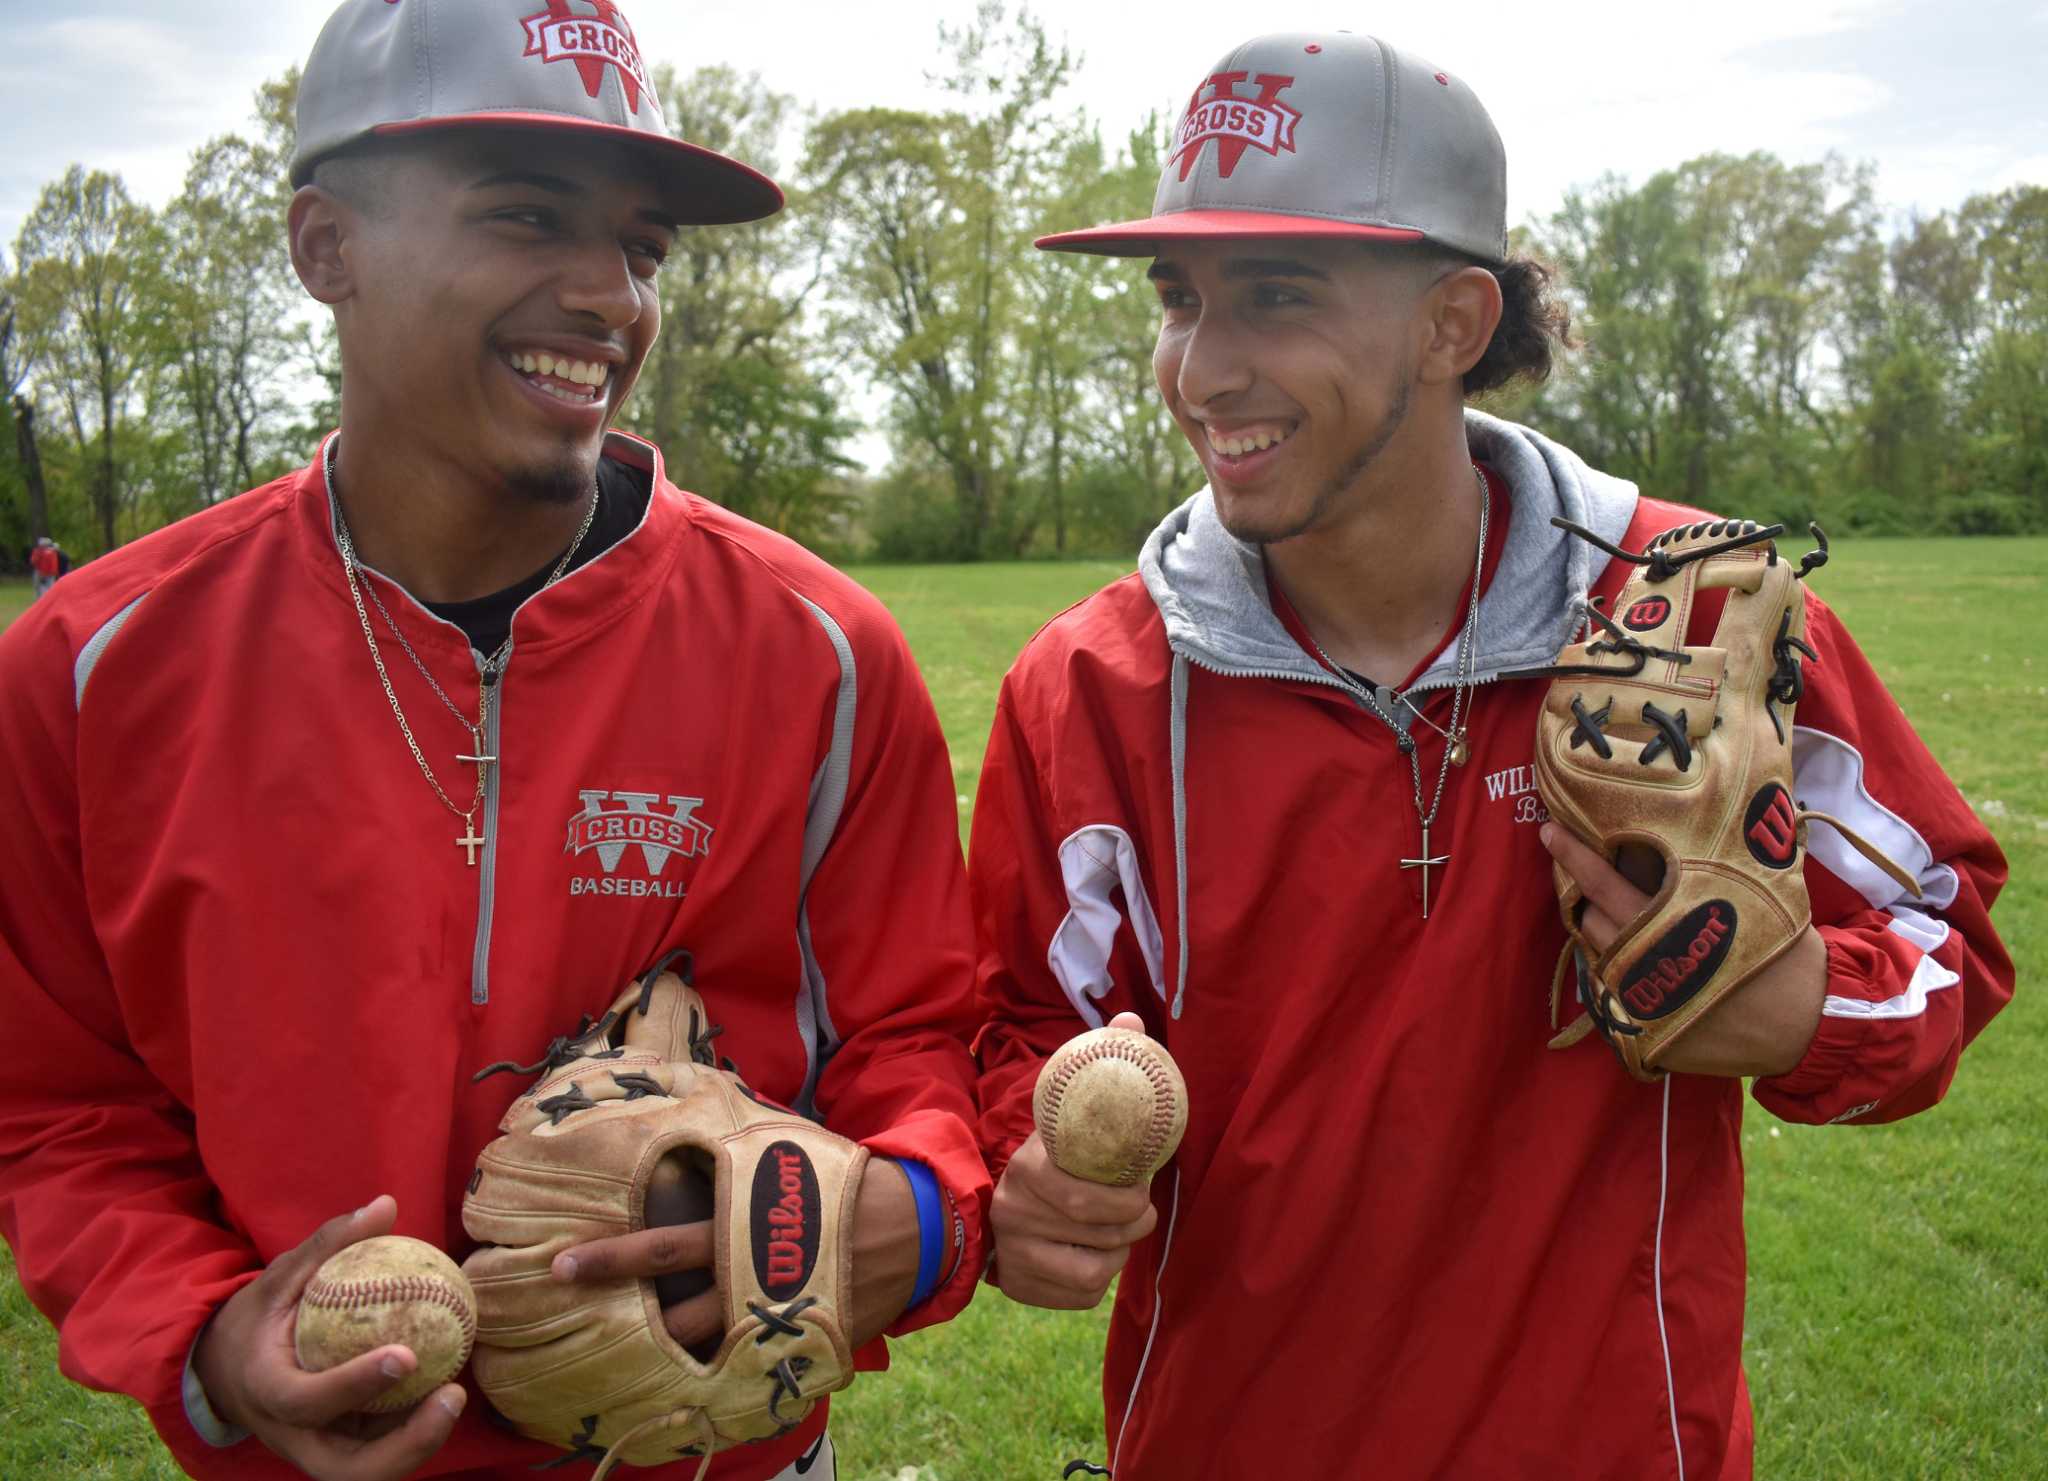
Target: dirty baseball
<point x="384" y="1291"/>
<point x="1110" y="1106"/>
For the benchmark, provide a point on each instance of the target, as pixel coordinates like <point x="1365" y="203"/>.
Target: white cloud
<point x="1577" y="89"/>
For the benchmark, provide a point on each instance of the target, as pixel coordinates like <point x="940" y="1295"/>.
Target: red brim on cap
<point x="711" y="189"/>
<point x="1142" y="238"/>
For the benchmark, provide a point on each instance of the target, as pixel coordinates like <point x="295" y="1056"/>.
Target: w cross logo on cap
<point x="1236" y="123"/>
<point x="593" y="42"/>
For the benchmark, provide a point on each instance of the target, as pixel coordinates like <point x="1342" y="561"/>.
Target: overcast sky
<point x="1945" y="96"/>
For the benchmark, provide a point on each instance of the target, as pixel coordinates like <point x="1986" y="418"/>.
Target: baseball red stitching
<point x="347" y="1295"/>
<point x="1162" y="1100"/>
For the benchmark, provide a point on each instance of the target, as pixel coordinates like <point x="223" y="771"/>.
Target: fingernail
<point x="1547" y="832"/>
<point x="391" y="1367"/>
<point x="453" y="1403"/>
<point x="564" y="1267"/>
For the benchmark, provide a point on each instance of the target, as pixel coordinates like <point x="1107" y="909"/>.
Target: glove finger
<point x="639" y="1256"/>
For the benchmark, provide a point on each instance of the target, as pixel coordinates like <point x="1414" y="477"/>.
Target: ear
<point x="320" y="227"/>
<point x="1463" y="309"/>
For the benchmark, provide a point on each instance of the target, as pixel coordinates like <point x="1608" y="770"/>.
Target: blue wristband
<point x="931" y="1227"/>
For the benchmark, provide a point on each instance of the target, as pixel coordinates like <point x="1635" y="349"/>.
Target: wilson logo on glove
<point x="1681" y="963"/>
<point x="1648" y="613"/>
<point x="1772" y="828"/>
<point x="785" y="1221"/>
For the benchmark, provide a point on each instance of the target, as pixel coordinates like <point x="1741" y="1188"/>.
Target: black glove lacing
<point x="1599" y="1005"/>
<point x="583" y="1446"/>
<point x="1662" y="565"/>
<point x="1670" y="736"/>
<point x="559" y="1052"/>
<point x="1588" y="729"/>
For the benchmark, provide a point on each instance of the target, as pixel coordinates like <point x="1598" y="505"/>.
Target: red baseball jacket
<point x="1402" y="1233"/>
<point x="248" y="975"/>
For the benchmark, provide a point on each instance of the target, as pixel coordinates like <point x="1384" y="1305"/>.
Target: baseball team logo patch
<point x="785" y="1220"/>
<point x="615" y="826"/>
<point x="1236" y="123"/>
<point x="593" y="39"/>
<point x="1771" y="828"/>
<point x="1682" y="962"/>
<point x="1648" y="613"/>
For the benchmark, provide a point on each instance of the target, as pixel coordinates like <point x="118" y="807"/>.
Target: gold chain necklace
<point x="1456" y="749"/>
<point x="470" y="840"/>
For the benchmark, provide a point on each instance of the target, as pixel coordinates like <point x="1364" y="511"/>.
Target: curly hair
<point x="1535" y="325"/>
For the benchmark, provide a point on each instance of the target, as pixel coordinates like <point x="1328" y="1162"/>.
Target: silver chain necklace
<point x="1456" y="749"/>
<point x="470" y="840"/>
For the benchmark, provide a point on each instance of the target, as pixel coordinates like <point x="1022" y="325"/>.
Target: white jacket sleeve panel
<point x="1066" y="933"/>
<point x="1910" y="980"/>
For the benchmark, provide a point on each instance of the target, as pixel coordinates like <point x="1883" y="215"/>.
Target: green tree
<point x="1133" y="463"/>
<point x="931" y="215"/>
<point x="1711" y="301"/>
<point x="88" y="258"/>
<point x="227" y="315"/>
<point x="729" y="391"/>
<point x="2006" y="382"/>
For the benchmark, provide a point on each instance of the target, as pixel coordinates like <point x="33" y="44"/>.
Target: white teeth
<point x="591" y="374"/>
<point x="1258" y="441"/>
<point x="561" y="393"/>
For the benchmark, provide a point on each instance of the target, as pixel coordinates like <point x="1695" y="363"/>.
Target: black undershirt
<point x="622" y="495"/>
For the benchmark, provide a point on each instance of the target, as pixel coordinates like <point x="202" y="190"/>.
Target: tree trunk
<point x="31" y="467"/>
<point x="107" y="484"/>
<point x="1059" y="502"/>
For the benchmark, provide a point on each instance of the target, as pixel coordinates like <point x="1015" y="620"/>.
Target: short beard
<point x="563" y="482"/>
<point x="1354" y="469"/>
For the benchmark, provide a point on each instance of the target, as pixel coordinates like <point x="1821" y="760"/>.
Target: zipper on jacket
<point x="493" y="677"/>
<point x="1325" y="677"/>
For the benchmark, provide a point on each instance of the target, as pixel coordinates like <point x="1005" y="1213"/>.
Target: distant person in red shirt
<point x="46" y="563"/>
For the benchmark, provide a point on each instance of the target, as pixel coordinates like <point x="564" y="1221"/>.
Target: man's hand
<point x="1060" y="1239"/>
<point x="252" y="1377"/>
<point x="884" y="1262"/>
<point x="1762" y="1028"/>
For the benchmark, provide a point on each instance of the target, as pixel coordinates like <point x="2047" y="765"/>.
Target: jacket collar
<point x="582" y="601"/>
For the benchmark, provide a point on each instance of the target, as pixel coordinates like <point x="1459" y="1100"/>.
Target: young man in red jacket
<point x="315" y="804"/>
<point x="1273" y="796"/>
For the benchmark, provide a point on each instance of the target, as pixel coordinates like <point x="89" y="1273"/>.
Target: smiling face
<point x="499" y="299"/>
<point x="1290" y="367"/>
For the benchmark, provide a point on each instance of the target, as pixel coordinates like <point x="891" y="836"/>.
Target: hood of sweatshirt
<point x="1210" y="587"/>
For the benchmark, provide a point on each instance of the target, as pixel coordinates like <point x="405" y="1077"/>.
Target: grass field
<point x="1898" y="1315"/>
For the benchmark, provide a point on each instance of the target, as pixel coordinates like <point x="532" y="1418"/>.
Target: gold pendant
<point x="1460" y="752"/>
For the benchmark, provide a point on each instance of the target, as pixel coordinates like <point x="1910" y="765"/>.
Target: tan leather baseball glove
<point x="631" y="1102"/>
<point x="1674" y="761"/>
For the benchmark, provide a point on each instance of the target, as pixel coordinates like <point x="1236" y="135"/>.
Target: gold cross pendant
<point x="1425" y="864"/>
<point x="471" y="841"/>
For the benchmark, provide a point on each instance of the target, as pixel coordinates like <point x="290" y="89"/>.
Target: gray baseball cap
<point x="387" y="67"/>
<point x="1303" y="135"/>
